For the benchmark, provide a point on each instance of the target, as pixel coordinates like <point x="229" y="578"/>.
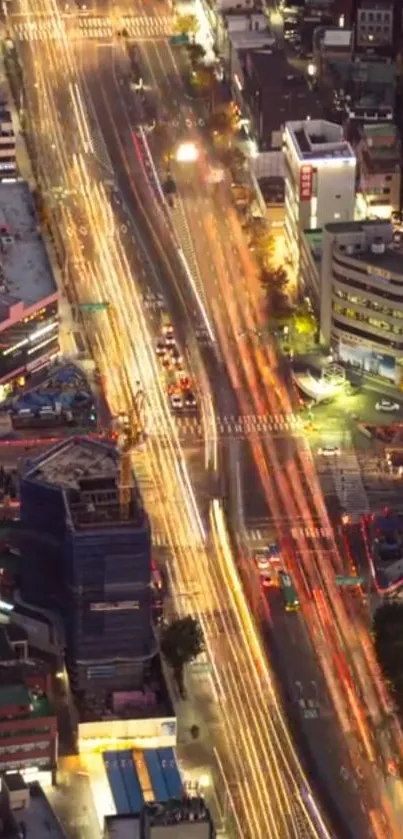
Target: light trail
<point x="253" y="743"/>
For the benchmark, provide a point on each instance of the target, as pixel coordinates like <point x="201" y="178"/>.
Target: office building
<point x="320" y="179"/>
<point x="378" y="160"/>
<point x="28" y="293"/>
<point x="28" y="728"/>
<point x="361" y="294"/>
<point x="89" y="557"/>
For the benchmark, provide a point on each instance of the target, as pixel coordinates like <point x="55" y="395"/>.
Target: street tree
<point x="263" y="245"/>
<point x="304" y="322"/>
<point x="274" y="283"/>
<point x="196" y="54"/>
<point x="224" y="121"/>
<point x="186" y="25"/>
<point x="181" y="642"/>
<point x="203" y="80"/>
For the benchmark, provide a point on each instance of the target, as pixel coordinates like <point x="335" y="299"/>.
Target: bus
<point x="290" y="596"/>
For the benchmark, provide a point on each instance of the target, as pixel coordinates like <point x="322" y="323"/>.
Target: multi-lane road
<point x="83" y="140"/>
<point x="119" y="242"/>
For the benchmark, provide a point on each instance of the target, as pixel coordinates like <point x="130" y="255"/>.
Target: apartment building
<point x="320" y="179"/>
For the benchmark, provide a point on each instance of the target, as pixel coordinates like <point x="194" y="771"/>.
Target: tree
<point x="203" y="79"/>
<point x="274" y="282"/>
<point x="186" y="25"/>
<point x="388" y="632"/>
<point x="263" y="245"/>
<point x="196" y="54"/>
<point x="305" y="323"/>
<point x="225" y="121"/>
<point x="180" y="643"/>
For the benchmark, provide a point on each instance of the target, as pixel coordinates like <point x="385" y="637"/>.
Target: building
<point x="361" y="285"/>
<point x="374" y="27"/>
<point x="28" y="729"/>
<point x="28" y="294"/>
<point x="378" y="153"/>
<point x="8" y="160"/>
<point x="320" y="179"/>
<point x="185" y="819"/>
<point x="377" y="24"/>
<point x="90" y="558"/>
<point x="352" y="87"/>
<point x="273" y="92"/>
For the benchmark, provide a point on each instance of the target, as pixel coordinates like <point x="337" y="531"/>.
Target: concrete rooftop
<point x="25" y="268"/>
<point x="76" y="458"/>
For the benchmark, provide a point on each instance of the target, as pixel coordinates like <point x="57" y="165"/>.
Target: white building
<point x="320" y="179"/>
<point x="361" y="296"/>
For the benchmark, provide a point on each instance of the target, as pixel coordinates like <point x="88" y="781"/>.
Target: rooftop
<point x="39" y="818"/>
<point x="317" y="139"/>
<point x="87" y="473"/>
<point x="65" y="465"/>
<point x="314" y="240"/>
<point x="32" y="704"/>
<point x="285" y="92"/>
<point x="122" y="827"/>
<point x="190" y="817"/>
<point x="25" y="271"/>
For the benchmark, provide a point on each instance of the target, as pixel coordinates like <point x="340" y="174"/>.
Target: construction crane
<point x="130" y="433"/>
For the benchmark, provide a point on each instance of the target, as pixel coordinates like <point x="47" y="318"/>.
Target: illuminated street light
<point x="187" y="153"/>
<point x="311" y="70"/>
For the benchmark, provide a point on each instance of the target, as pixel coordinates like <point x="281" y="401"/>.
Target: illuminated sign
<point x="305" y="182"/>
<point x="117" y="606"/>
<point x="8" y="167"/>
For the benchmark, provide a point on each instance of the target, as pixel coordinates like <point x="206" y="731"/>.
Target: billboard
<point x="305" y="182"/>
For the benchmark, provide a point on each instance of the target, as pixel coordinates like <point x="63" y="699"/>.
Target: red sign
<point x="305" y="183"/>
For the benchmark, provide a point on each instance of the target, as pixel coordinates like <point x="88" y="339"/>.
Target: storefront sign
<point x="305" y="183"/>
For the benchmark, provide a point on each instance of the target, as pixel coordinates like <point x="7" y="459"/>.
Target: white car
<point x="176" y="402"/>
<point x="387" y="406"/>
<point x="329" y="451"/>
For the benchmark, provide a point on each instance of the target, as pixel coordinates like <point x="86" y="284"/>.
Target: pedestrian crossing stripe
<point x="137" y="26"/>
<point x="191" y="426"/>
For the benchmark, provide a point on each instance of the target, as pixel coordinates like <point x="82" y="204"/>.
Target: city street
<point x="120" y="242"/>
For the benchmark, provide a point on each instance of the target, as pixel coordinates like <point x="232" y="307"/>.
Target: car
<point x="387" y="406"/>
<point x="161" y="348"/>
<point x="184" y="382"/>
<point x="176" y="357"/>
<point x="176" y="401"/>
<point x="190" y="399"/>
<point x="329" y="451"/>
<point x="169" y="339"/>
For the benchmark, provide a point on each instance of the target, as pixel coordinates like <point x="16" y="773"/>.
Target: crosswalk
<point x="136" y="27"/>
<point x="191" y="428"/>
<point x="342" y="475"/>
<point x="262" y="534"/>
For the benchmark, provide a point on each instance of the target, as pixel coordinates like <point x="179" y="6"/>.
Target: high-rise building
<point x="320" y="179"/>
<point x="91" y="559"/>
